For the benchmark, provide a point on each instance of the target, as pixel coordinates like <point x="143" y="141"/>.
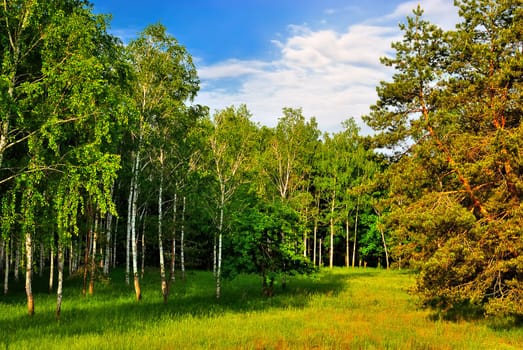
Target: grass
<point x="338" y="309"/>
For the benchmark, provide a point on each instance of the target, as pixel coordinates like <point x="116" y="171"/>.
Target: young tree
<point x="231" y="144"/>
<point x="262" y="242"/>
<point x="165" y="78"/>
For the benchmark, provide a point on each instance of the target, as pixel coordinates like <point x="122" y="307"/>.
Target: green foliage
<point x="455" y="195"/>
<point x="264" y="242"/>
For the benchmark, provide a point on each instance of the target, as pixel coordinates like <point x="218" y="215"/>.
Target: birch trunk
<point x="51" y="268"/>
<point x="165" y="291"/>
<point x="331" y="250"/>
<point x="42" y="257"/>
<point x="320" y="262"/>
<point x="315" y="242"/>
<point x="128" y="237"/>
<point x="219" y="257"/>
<point x="214" y="255"/>
<point x="3" y="244"/>
<point x="29" y="273"/>
<point x="142" y="271"/>
<point x="173" y="247"/>
<point x="86" y="260"/>
<point x="355" y="232"/>
<point x="113" y="262"/>
<point x="134" y="243"/>
<point x="347" y="242"/>
<point x="6" y="270"/>
<point x="59" y="287"/>
<point x="17" y="260"/>
<point x="182" y="244"/>
<point x="107" y="259"/>
<point x="71" y="258"/>
<point x="380" y="228"/>
<point x="93" y="257"/>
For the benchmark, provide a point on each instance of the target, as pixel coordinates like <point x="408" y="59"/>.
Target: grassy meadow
<point x="338" y="309"/>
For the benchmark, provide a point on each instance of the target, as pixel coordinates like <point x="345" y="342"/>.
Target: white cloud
<point x="440" y="12"/>
<point x="331" y="75"/>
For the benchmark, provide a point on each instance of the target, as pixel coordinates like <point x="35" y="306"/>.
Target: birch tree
<point x="165" y="79"/>
<point x="231" y="144"/>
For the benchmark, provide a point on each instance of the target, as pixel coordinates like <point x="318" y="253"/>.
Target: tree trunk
<point x="17" y="259"/>
<point x="173" y="247"/>
<point x="42" y="261"/>
<point x="71" y="257"/>
<point x="331" y="250"/>
<point x="134" y="243"/>
<point x="315" y="242"/>
<point x="60" y="279"/>
<point x="3" y="248"/>
<point x="219" y="256"/>
<point x="93" y="257"/>
<point x="128" y="237"/>
<point x="182" y="245"/>
<point x="380" y="228"/>
<point x="165" y="292"/>
<point x="320" y="261"/>
<point x="6" y="270"/>
<point x="113" y="262"/>
<point x="86" y="260"/>
<point x="51" y="267"/>
<point x="347" y="242"/>
<point x="107" y="259"/>
<point x="214" y="254"/>
<point x="29" y="273"/>
<point x="142" y="270"/>
<point x="355" y="231"/>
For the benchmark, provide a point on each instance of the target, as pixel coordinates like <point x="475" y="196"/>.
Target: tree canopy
<point x="105" y="160"/>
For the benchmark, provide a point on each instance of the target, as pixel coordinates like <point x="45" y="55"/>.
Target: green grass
<point x="339" y="309"/>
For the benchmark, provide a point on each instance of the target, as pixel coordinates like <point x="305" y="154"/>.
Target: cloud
<point x="331" y="75"/>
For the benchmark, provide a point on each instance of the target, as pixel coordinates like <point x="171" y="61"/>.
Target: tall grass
<point x="338" y="309"/>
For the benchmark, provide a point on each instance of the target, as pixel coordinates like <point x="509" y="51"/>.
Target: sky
<point x="318" y="55"/>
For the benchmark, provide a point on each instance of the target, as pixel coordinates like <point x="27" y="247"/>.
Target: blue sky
<point x="319" y="55"/>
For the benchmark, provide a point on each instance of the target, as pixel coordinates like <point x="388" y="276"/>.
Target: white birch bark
<point x="59" y="286"/>
<point x="51" y="268"/>
<point x="92" y="266"/>
<point x="17" y="260"/>
<point x="142" y="216"/>
<point x="42" y="257"/>
<point x="173" y="247"/>
<point x="6" y="270"/>
<point x="29" y="273"/>
<point x="347" y="243"/>
<point x="182" y="244"/>
<point x="320" y="261"/>
<point x="331" y="250"/>
<point x="113" y="262"/>
<point x="315" y="243"/>
<point x="160" y="239"/>
<point x="355" y="231"/>
<point x="107" y="254"/>
<point x="134" y="243"/>
<point x="71" y="257"/>
<point x="128" y="237"/>
<point x="383" y="240"/>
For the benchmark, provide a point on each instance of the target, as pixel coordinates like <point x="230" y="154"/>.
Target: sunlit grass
<point x="339" y="309"/>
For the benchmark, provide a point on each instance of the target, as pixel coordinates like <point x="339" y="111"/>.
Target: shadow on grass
<point x="114" y="308"/>
<point x="470" y="313"/>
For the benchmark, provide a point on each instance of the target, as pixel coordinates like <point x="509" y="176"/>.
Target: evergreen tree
<point x="455" y="193"/>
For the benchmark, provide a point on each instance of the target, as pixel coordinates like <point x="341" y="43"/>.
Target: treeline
<point x="106" y="161"/>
